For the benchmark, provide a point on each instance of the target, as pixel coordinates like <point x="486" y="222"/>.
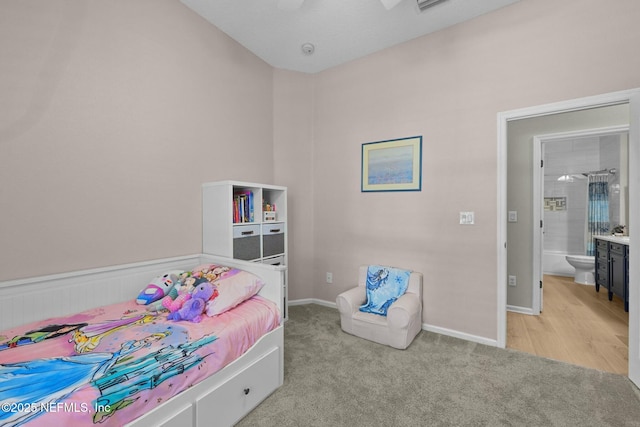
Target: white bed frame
<point x="220" y="400"/>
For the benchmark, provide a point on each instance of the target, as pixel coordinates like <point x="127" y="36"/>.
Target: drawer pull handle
<point x="246" y="391"/>
<point x="277" y="230"/>
<point x="246" y="233"/>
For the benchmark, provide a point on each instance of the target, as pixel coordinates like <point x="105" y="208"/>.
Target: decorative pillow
<point x="384" y="286"/>
<point x="234" y="287"/>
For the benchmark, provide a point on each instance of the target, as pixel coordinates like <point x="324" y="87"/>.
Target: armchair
<point x="398" y="328"/>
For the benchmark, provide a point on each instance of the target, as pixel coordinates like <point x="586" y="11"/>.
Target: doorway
<point x="561" y="165"/>
<point x="578" y="325"/>
<point x="628" y="99"/>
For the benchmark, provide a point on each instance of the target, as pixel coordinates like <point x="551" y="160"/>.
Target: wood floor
<point x="578" y="325"/>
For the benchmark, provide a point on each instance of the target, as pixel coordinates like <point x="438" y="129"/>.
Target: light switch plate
<point x="466" y="218"/>
<point x="513" y="216"/>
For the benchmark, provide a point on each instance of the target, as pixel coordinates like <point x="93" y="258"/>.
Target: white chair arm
<point x="403" y="310"/>
<point x="351" y="300"/>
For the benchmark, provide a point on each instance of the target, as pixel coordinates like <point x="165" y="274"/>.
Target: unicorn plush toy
<point x="159" y="287"/>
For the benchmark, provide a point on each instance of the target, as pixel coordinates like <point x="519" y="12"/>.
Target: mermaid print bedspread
<point x="110" y="365"/>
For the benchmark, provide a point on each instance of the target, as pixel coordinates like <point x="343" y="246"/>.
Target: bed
<point x="76" y="349"/>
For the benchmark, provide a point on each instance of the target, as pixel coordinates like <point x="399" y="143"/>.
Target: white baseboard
<point x="426" y="327"/>
<point x="522" y="310"/>
<point x="305" y="301"/>
<point x="461" y="335"/>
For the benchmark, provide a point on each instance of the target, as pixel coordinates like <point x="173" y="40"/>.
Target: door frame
<point x="631" y="97"/>
<point x="538" y="195"/>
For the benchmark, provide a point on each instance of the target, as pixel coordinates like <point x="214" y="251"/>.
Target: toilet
<point x="585" y="268"/>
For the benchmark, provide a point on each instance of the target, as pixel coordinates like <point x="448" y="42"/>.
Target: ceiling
<point x="340" y="30"/>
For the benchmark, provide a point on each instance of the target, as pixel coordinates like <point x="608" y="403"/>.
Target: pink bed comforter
<point x="110" y="365"/>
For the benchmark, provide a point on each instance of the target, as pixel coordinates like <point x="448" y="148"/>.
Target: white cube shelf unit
<point x="234" y="225"/>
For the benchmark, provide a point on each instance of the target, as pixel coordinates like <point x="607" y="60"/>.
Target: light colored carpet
<point x="335" y="379"/>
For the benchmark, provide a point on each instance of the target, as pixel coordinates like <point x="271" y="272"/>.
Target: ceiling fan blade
<point x="390" y="4"/>
<point x="289" y="4"/>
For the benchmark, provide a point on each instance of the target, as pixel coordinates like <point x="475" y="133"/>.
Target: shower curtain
<point x="597" y="210"/>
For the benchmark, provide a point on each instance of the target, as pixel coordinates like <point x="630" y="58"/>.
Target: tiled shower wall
<point x="564" y="230"/>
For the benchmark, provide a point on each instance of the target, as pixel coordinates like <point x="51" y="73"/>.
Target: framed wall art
<point x="393" y="165"/>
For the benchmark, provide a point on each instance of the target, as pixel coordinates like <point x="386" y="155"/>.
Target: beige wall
<point x="112" y="115"/>
<point x="449" y="87"/>
<point x="293" y="95"/>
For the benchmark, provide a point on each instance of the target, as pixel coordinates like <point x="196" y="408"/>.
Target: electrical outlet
<point x="467" y="218"/>
<point x="329" y="277"/>
<point x="512" y="280"/>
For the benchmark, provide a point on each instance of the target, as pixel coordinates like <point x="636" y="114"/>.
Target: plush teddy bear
<point x="193" y="308"/>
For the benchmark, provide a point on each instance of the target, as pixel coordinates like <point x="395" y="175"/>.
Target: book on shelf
<point x="243" y="206"/>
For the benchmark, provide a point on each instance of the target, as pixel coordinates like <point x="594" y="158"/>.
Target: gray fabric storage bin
<point x="246" y="242"/>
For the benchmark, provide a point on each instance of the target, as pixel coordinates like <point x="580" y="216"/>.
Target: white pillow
<point x="234" y="287"/>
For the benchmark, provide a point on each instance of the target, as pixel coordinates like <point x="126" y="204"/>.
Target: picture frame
<point x="392" y="165"/>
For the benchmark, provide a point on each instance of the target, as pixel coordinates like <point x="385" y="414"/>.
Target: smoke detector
<point x="308" y="48"/>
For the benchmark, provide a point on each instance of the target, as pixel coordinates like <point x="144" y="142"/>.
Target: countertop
<point x="624" y="240"/>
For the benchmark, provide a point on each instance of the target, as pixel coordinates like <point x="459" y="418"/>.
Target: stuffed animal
<point x="174" y="301"/>
<point x="159" y="287"/>
<point x="194" y="307"/>
<point x="211" y="272"/>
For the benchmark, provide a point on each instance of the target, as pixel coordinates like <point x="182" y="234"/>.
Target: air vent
<point x="426" y="4"/>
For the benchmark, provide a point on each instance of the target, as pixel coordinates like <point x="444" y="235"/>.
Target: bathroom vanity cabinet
<point x="612" y="267"/>
<point x="602" y="264"/>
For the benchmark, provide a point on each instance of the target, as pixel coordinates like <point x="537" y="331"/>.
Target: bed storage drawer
<point x="273" y="239"/>
<point x="246" y="242"/>
<point x="229" y="402"/>
<point x="180" y="419"/>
